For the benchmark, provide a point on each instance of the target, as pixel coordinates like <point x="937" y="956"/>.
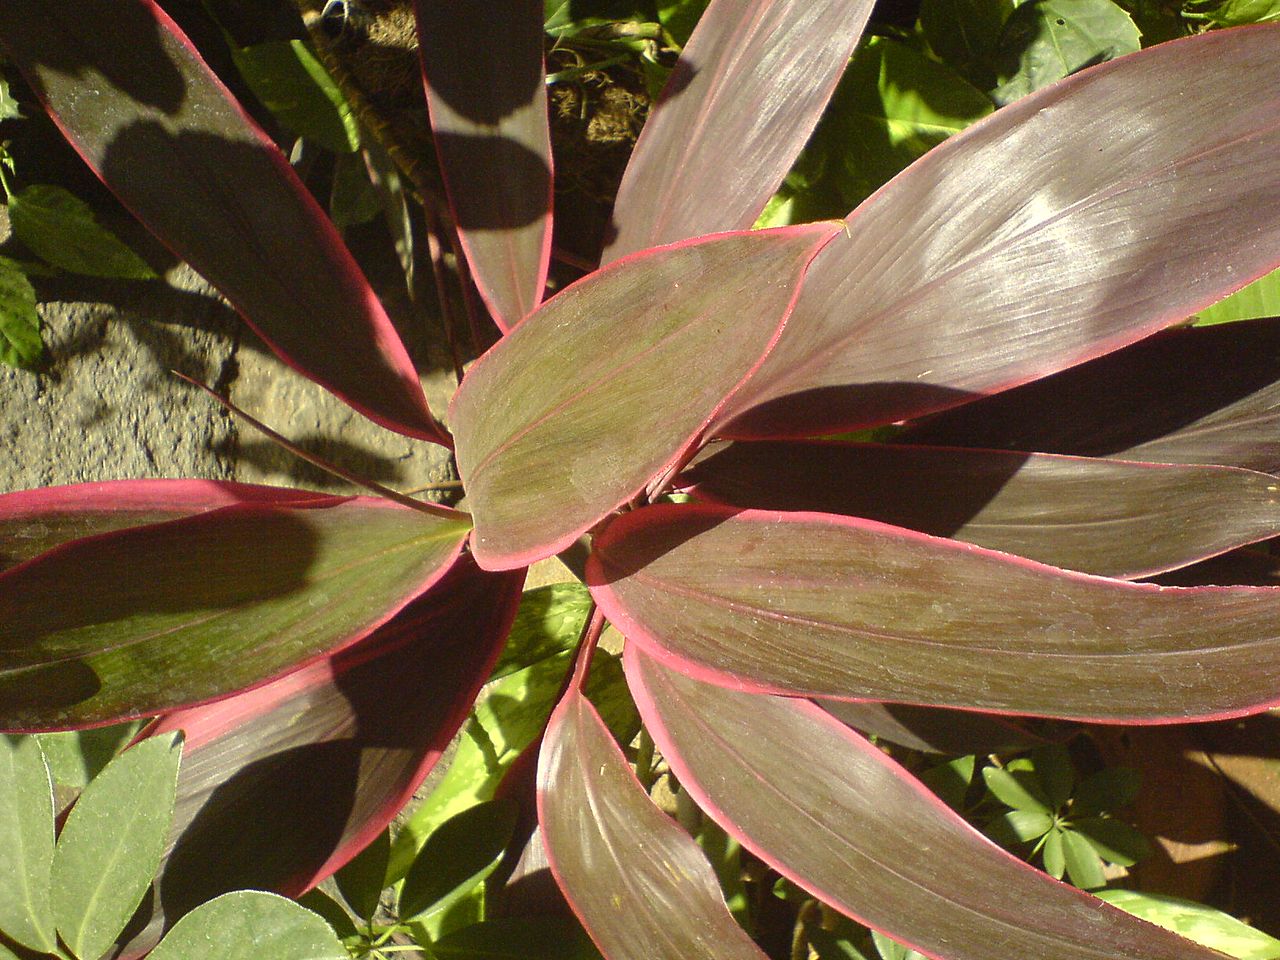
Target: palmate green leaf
<point x="636" y="880"/>
<point x="1195" y="921"/>
<point x="1259" y="299"/>
<point x="868" y="611"/>
<point x="836" y="816"/>
<point x="294" y="85"/>
<point x="144" y="619"/>
<point x="61" y="229"/>
<point x="20" y="343"/>
<point x="544" y="458"/>
<point x="1020" y="792"/>
<point x="26" y="853"/>
<point x="112" y="843"/>
<point x="1114" y="840"/>
<point x="1083" y="865"/>
<point x="1019" y="826"/>
<point x="1046" y="40"/>
<point x="250" y="925"/>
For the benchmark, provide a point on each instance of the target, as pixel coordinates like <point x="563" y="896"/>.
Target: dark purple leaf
<point x="1107" y="517"/>
<point x="1069" y="224"/>
<point x="639" y="884"/>
<point x="282" y="785"/>
<point x="144" y="111"/>
<point x="546" y="456"/>
<point x="1195" y="395"/>
<point x="932" y="729"/>
<point x="835" y="815"/>
<point x="139" y="620"/>
<point x="482" y="62"/>
<point x="826" y="606"/>
<point x="745" y="94"/>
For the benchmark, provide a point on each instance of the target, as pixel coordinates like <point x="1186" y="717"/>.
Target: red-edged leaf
<point x="482" y="63"/>
<point x="835" y="815"/>
<point x="284" y="784"/>
<point x="819" y="605"/>
<point x="1108" y="517"/>
<point x="744" y="97"/>
<point x="639" y="884"/>
<point x="145" y="112"/>
<point x="932" y="729"/>
<point x="1066" y="225"/>
<point x="33" y="521"/>
<point x="145" y="619"/>
<point x="573" y="413"/>
<point x="1196" y="395"/>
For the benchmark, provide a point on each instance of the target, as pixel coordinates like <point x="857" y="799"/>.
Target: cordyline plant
<point x="320" y="651"/>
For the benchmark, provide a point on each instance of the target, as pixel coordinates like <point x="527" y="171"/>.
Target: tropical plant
<point x="318" y="652"/>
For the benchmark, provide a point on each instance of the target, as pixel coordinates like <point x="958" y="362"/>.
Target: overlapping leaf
<point x="1186" y="396"/>
<point x="1107" y="517"/>
<point x="482" y="62"/>
<point x="636" y="880"/>
<point x="546" y="456"/>
<point x="146" y="113"/>
<point x="819" y="605"/>
<point x="334" y="749"/>
<point x="831" y="812"/>
<point x="139" y="620"/>
<point x="1010" y="251"/>
<point x="750" y="85"/>
<point x="931" y="729"/>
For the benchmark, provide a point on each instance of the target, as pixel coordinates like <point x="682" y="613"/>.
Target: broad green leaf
<point x="546" y="458"/>
<point x="20" y="343"/>
<point x="294" y="85"/>
<point x="868" y="611"/>
<point x="7" y="954"/>
<point x="317" y="901"/>
<point x="1020" y="792"/>
<point x="724" y="95"/>
<point x="361" y="880"/>
<point x="167" y="138"/>
<point x="250" y="925"/>
<point x="517" y="938"/>
<point x="112" y="843"/>
<point x="9" y="109"/>
<point x="893" y="105"/>
<point x="1195" y="921"/>
<point x="144" y="619"/>
<point x="1114" y="840"/>
<point x="950" y="781"/>
<point x="1233" y="13"/>
<point x="457" y="857"/>
<point x="61" y="229"/>
<point x="996" y="258"/>
<point x="966" y="34"/>
<point x="26" y="853"/>
<point x="487" y="98"/>
<point x="549" y="622"/>
<point x="77" y="756"/>
<point x="1259" y="299"/>
<point x="836" y="816"/>
<point x="638" y="882"/>
<point x="1046" y="40"/>
<point x="1019" y="826"/>
<point x="1083" y="865"/>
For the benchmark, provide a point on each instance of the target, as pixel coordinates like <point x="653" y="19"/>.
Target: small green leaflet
<point x="295" y="86"/>
<point x="1206" y="926"/>
<point x="1046" y="40"/>
<point x="61" y="230"/>
<point x="8" y="106"/>
<point x="20" y="344"/>
<point x="1259" y="299"/>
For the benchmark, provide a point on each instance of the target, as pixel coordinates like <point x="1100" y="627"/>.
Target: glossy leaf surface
<point x="835" y="815"/>
<point x="546" y="457"/>
<point x="482" y="62"/>
<point x="1111" y="518"/>
<point x="151" y="119"/>
<point x="334" y="749"/>
<point x="1008" y="252"/>
<point x="931" y="729"/>
<point x="1185" y="396"/>
<point x="752" y="82"/>
<point x="111" y="844"/>
<point x="26" y="823"/>
<point x="250" y="925"/>
<point x="851" y="609"/>
<point x="139" y="620"/>
<point x="636" y="880"/>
